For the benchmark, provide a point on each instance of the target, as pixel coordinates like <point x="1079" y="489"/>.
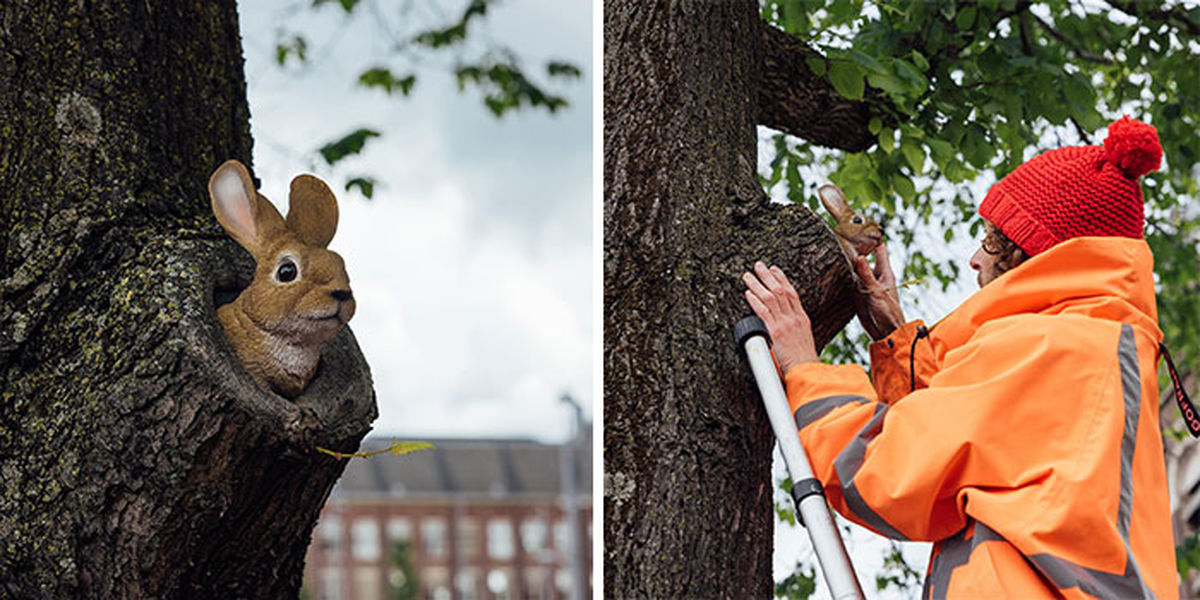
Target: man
<point x="1020" y="433"/>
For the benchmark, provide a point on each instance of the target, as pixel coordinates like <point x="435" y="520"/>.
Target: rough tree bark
<point x="137" y="458"/>
<point x="688" y="492"/>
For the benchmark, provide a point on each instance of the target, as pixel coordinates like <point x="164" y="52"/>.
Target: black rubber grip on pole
<point x="803" y="489"/>
<point x="747" y="328"/>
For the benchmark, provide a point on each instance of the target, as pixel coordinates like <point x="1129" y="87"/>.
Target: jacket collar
<point x="1102" y="277"/>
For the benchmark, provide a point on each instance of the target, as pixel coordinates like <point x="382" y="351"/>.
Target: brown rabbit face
<point x="865" y="235"/>
<point x="301" y="294"/>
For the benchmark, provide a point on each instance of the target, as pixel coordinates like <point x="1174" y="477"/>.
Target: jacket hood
<point x="1108" y="278"/>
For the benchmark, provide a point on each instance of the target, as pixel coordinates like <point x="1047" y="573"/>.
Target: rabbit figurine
<point x="300" y="295"/>
<point x="857" y="234"/>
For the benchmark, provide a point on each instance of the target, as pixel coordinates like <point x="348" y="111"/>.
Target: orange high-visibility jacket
<point x="1029" y="450"/>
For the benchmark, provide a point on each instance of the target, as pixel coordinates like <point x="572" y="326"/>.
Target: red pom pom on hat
<point x="1133" y="146"/>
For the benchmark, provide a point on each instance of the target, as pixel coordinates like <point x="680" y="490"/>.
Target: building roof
<point x="481" y="468"/>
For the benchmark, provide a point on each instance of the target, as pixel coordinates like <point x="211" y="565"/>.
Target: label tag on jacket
<point x="1190" y="417"/>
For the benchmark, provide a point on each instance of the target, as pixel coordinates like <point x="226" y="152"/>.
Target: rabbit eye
<point x="857" y="220"/>
<point x="286" y="271"/>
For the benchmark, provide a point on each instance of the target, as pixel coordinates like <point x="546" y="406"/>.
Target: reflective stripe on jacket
<point x="1029" y="451"/>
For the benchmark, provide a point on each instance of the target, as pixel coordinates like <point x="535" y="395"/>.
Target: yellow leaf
<point x="402" y="448"/>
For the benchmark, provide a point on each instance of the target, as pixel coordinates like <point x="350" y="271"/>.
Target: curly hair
<point x="1008" y="254"/>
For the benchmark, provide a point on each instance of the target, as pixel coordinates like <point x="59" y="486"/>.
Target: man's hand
<point x="776" y="302"/>
<point x="879" y="307"/>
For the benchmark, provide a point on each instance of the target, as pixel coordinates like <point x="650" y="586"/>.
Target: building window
<point x="498" y="584"/>
<point x="467" y="583"/>
<point x="331" y="584"/>
<point x="562" y="538"/>
<point x="500" y="539"/>
<point x="366" y="583"/>
<point x="469" y="535"/>
<point x="533" y="535"/>
<point x="562" y="580"/>
<point x="329" y="532"/>
<point x="433" y="537"/>
<point x="435" y="583"/>
<point x="399" y="529"/>
<point x="537" y="584"/>
<point x="364" y="538"/>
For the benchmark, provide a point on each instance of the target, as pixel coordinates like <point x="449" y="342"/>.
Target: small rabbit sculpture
<point x="300" y="295"/>
<point x="857" y="234"/>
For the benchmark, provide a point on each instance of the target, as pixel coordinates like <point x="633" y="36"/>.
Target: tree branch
<point x="1026" y="38"/>
<point x="1080" y="52"/>
<point x="1174" y="16"/>
<point x="794" y="100"/>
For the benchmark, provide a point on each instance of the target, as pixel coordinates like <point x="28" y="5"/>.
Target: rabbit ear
<point x="835" y="202"/>
<point x="312" y="211"/>
<point x="249" y="218"/>
<point x="233" y="202"/>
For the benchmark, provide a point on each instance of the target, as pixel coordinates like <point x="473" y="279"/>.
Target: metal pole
<point x="571" y="503"/>
<point x="807" y="493"/>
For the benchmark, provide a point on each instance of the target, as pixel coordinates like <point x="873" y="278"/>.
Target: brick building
<point x="484" y="519"/>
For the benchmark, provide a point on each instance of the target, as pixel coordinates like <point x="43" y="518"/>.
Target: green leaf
<point x="1079" y="91"/>
<point x="799" y="585"/>
<point x="843" y="10"/>
<point x="847" y="79"/>
<point x="889" y="83"/>
<point x="904" y="186"/>
<point x="347" y="5"/>
<point x="965" y="17"/>
<point x="887" y="139"/>
<point x="365" y="185"/>
<point x="919" y="61"/>
<point x="916" y="80"/>
<point x="940" y="150"/>
<point x="866" y="62"/>
<point x="563" y="70"/>
<point x="795" y="18"/>
<point x="874" y="125"/>
<point x="975" y="147"/>
<point x="382" y="78"/>
<point x="349" y="145"/>
<point x="816" y="64"/>
<point x="296" y="47"/>
<point x="913" y="153"/>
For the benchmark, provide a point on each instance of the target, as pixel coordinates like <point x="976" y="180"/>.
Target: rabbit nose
<point x="340" y="295"/>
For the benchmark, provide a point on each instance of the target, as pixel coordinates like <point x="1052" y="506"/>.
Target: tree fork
<point x="137" y="458"/>
<point x="688" y="498"/>
<point x="794" y="100"/>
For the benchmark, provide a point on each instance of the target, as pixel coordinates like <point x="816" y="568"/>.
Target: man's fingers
<point x="788" y="290"/>
<point x="883" y="266"/>
<point x="756" y="286"/>
<point x="759" y="308"/>
<point x="768" y="278"/>
<point x="864" y="272"/>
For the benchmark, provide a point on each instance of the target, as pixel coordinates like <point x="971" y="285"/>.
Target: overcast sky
<point x="472" y="264"/>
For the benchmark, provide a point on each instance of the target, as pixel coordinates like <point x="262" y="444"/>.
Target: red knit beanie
<point x="1077" y="191"/>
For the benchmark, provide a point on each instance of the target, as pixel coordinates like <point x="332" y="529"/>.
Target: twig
<point x="1080" y="52"/>
<point x="397" y="448"/>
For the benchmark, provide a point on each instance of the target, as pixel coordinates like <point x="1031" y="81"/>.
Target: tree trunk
<point x="687" y="446"/>
<point x="137" y="458"/>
